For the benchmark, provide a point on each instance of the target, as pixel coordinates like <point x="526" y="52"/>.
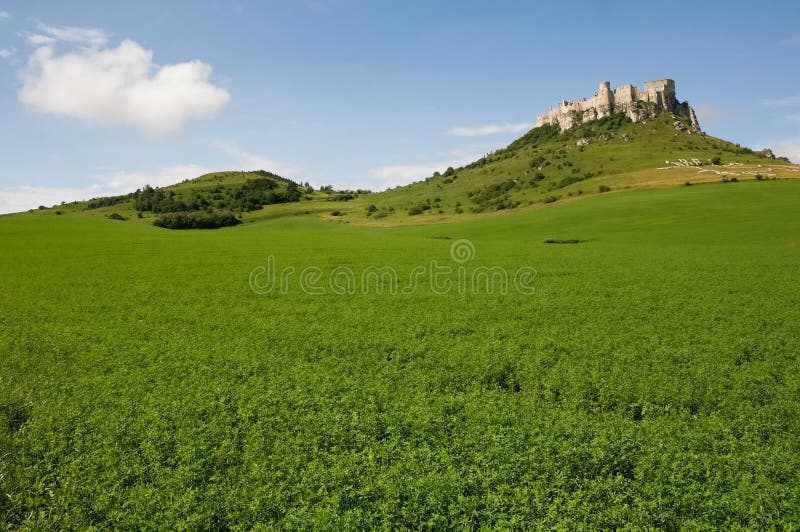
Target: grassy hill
<point x="650" y="380"/>
<point x="540" y="168"/>
<point x="545" y="166"/>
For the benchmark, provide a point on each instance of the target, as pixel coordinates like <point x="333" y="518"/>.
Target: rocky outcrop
<point x="658" y="96"/>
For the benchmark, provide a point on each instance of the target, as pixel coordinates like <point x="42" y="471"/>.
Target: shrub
<point x="716" y="161"/>
<point x="195" y="220"/>
<point x="550" y="199"/>
<point x="604" y="188"/>
<point x="116" y="216"/>
<point x="563" y="241"/>
<point x="343" y="197"/>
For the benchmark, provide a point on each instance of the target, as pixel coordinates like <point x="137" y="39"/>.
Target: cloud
<point x="709" y="113"/>
<point x="793" y="40"/>
<point x="39" y="40"/>
<point x="117" y="85"/>
<point x="16" y="199"/>
<point x="249" y="161"/>
<point x="402" y="174"/>
<point x="788" y="101"/>
<point x="7" y="54"/>
<point x="787" y="148"/>
<point x="490" y="129"/>
<point x="794" y="118"/>
<point x="5" y="15"/>
<point x="92" y="37"/>
<point x="22" y="198"/>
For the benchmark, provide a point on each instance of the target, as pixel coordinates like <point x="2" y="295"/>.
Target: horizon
<point x="102" y="103"/>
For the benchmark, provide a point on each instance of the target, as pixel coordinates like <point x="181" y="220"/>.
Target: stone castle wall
<point x="657" y="96"/>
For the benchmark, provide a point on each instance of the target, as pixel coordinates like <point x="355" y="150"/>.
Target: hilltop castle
<point x="638" y="104"/>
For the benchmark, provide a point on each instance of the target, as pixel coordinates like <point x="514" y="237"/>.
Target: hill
<point x="542" y="167"/>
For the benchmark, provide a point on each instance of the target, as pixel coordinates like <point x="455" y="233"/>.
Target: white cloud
<point x="490" y="129"/>
<point x="92" y="37"/>
<point x="793" y="40"/>
<point x="124" y="182"/>
<point x="5" y="15"/>
<point x="118" y="85"/>
<point x="37" y="39"/>
<point x="402" y="174"/>
<point x="708" y="113"/>
<point x="788" y="101"/>
<point x="16" y="199"/>
<point x="794" y="118"/>
<point x="7" y="54"/>
<point x="22" y="198"/>
<point x="249" y="161"/>
<point x="787" y="148"/>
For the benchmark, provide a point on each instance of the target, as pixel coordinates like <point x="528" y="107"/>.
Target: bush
<point x="116" y="216"/>
<point x="604" y="188"/>
<point x="196" y="220"/>
<point x="550" y="199"/>
<point x="347" y="196"/>
<point x="716" y="161"/>
<point x="109" y="201"/>
<point x="563" y="241"/>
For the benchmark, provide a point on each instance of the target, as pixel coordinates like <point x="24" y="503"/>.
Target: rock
<point x="582" y="142"/>
<point x="766" y="152"/>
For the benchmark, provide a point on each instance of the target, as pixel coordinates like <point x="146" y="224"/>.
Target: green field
<point x="652" y="379"/>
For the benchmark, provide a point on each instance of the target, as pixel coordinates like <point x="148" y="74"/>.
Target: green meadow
<point x="651" y="379"/>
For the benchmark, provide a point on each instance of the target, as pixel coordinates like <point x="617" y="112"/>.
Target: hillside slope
<point x="545" y="166"/>
<point x="542" y="167"/>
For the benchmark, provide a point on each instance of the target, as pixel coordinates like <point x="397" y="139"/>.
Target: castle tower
<point x="604" y="101"/>
<point x="661" y="92"/>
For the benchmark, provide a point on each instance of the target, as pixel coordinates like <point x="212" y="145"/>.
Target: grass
<point x="651" y="381"/>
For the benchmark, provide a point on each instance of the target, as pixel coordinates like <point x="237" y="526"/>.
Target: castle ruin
<point x="657" y="96"/>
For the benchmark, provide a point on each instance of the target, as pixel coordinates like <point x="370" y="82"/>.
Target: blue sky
<point x="97" y="100"/>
